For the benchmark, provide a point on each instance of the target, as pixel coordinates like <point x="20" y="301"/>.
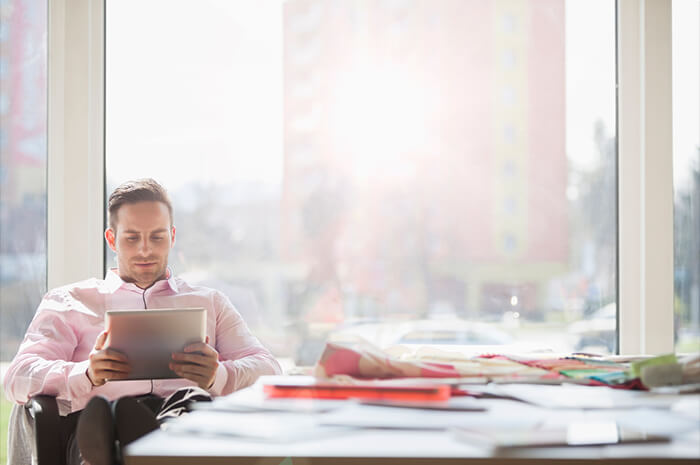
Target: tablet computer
<point x="149" y="337"/>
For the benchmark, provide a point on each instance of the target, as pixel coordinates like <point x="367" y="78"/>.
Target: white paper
<point x="583" y="397"/>
<point x="275" y="427"/>
<point x="509" y="415"/>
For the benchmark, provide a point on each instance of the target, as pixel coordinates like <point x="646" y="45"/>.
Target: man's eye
<point x="132" y="238"/>
<point x="157" y="238"/>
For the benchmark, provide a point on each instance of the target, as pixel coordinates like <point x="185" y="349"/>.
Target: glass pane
<point x="341" y="167"/>
<point x="686" y="173"/>
<point x="23" y="97"/>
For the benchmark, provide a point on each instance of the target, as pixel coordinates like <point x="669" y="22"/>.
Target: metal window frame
<point x="76" y="197"/>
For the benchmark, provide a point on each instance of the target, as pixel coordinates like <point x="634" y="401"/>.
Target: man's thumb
<point x="100" y="342"/>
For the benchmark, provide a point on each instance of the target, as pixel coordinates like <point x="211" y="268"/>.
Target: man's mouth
<point x="145" y="264"/>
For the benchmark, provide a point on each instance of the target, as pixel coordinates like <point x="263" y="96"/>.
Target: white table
<point x="293" y="438"/>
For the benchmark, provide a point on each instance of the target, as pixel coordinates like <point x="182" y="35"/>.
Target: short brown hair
<point x="139" y="190"/>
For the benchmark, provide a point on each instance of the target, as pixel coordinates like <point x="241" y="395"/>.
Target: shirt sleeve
<point x="242" y="358"/>
<point x="43" y="362"/>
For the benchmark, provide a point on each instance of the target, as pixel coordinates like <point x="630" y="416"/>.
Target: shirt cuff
<point x="78" y="381"/>
<point x="219" y="381"/>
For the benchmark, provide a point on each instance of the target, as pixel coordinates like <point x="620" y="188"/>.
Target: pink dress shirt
<point x="52" y="359"/>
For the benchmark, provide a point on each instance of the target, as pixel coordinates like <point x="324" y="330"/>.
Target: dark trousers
<point x="173" y="406"/>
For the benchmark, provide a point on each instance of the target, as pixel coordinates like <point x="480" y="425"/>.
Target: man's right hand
<point x="106" y="364"/>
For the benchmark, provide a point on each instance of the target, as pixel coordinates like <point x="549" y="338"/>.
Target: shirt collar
<point x="114" y="282"/>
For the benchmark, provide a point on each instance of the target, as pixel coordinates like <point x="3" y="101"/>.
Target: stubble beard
<point x="145" y="279"/>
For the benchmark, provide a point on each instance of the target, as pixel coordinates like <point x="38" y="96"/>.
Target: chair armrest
<point x="47" y="429"/>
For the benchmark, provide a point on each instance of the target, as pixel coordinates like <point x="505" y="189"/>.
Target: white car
<point x="597" y="331"/>
<point x="441" y="332"/>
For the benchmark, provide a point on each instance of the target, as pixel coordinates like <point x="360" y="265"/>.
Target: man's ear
<point x="111" y="239"/>
<point x="172" y="237"/>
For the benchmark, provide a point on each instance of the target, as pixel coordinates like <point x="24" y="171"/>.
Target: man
<point x="64" y="354"/>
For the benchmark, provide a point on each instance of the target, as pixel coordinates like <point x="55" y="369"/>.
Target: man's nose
<point x="145" y="246"/>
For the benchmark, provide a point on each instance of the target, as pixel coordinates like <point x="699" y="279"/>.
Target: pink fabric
<point x="342" y="362"/>
<point x="367" y="362"/>
<point x="52" y="359"/>
<point x="438" y="370"/>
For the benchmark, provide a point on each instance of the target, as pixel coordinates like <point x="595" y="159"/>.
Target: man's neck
<point x="146" y="285"/>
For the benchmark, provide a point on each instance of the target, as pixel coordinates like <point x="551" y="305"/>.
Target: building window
<point x="23" y="97"/>
<point x="394" y="208"/>
<point x="686" y="175"/>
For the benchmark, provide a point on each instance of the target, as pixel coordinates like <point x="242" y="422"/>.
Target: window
<point x="332" y="172"/>
<point x="23" y="97"/>
<point x="686" y="177"/>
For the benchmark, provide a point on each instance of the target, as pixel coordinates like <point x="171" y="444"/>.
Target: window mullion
<point x="645" y="177"/>
<point x="75" y="141"/>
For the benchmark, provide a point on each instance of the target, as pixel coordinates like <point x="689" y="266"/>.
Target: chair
<point x="50" y="430"/>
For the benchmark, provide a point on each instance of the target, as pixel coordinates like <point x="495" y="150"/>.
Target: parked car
<point x="441" y="332"/>
<point x="598" y="331"/>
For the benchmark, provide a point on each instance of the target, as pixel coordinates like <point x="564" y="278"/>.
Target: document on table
<point x="501" y="414"/>
<point x="571" y="434"/>
<point x="581" y="397"/>
<point x="655" y="421"/>
<point x="234" y="404"/>
<point x="274" y="427"/>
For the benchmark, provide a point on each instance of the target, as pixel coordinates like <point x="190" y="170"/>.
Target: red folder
<point x="437" y="392"/>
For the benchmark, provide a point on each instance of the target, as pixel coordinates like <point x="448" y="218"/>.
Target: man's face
<point x="142" y="241"/>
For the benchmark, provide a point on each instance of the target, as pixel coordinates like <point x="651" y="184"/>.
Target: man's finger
<point x="194" y="358"/>
<point x="100" y="341"/>
<point x="192" y="375"/>
<point x="205" y="381"/>
<point x="113" y="366"/>
<point x="112" y="354"/>
<point x="190" y="368"/>
<point x="108" y="354"/>
<point x="111" y="375"/>
<point x="200" y="347"/>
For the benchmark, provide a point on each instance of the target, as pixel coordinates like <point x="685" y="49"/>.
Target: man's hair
<point x="139" y="190"/>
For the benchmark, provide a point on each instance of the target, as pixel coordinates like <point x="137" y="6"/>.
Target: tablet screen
<point x="149" y="337"/>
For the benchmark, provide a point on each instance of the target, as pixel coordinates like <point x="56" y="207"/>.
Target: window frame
<point x="76" y="178"/>
<point x="645" y="177"/>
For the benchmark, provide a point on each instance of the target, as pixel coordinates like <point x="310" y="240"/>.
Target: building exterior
<point x="425" y="161"/>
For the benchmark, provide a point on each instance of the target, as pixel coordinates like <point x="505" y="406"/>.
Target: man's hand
<point x="106" y="364"/>
<point x="197" y="363"/>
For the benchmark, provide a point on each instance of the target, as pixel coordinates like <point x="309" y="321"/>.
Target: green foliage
<point x="680" y="308"/>
<point x="5" y="407"/>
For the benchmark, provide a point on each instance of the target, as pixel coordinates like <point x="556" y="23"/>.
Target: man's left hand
<point x="197" y="363"/>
